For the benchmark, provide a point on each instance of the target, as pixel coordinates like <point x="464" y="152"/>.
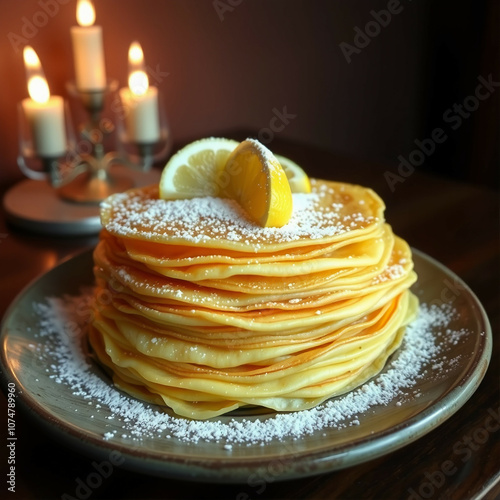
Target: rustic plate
<point x="379" y="431"/>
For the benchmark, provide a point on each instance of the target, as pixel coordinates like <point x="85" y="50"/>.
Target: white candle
<point x="88" y="53"/>
<point x="44" y="113"/>
<point x="140" y="101"/>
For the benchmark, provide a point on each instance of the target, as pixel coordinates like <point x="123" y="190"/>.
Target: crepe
<point x="205" y="311"/>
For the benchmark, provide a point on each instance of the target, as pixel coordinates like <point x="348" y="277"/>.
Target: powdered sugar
<point x="392" y="272"/>
<point x="317" y="215"/>
<point x="61" y="347"/>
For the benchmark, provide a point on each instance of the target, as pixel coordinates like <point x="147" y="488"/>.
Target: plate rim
<point x="238" y="469"/>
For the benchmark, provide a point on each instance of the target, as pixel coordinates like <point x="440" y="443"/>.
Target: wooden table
<point x="456" y="223"/>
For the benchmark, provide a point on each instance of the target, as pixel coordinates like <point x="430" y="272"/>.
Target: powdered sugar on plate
<point x="61" y="348"/>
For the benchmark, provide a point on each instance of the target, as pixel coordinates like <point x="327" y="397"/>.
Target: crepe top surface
<point x="332" y="211"/>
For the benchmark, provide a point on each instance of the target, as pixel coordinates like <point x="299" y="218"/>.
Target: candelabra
<point x="69" y="175"/>
<point x="83" y="172"/>
<point x="103" y="158"/>
<point x="64" y="189"/>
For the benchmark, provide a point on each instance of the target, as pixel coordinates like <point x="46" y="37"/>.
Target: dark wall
<point x="231" y="64"/>
<point x="463" y="52"/>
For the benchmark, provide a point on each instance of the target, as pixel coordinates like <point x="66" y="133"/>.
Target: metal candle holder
<point x="85" y="176"/>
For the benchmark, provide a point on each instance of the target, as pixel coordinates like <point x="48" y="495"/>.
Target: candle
<point x="44" y="113"/>
<point x="140" y="101"/>
<point x="88" y="53"/>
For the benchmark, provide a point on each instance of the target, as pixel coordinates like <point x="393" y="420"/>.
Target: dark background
<point x="231" y="63"/>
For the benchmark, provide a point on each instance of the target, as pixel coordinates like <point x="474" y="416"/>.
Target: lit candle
<point x="88" y="53"/>
<point x="140" y="101"/>
<point x="44" y="113"/>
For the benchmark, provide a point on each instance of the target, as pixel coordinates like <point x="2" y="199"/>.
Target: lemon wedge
<point x="195" y="170"/>
<point x="257" y="181"/>
<point x="297" y="178"/>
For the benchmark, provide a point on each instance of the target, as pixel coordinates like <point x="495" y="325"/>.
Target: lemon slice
<point x="195" y="170"/>
<point x="257" y="181"/>
<point x="297" y="178"/>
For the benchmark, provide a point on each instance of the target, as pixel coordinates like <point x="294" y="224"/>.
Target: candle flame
<point x="85" y="13"/>
<point x="138" y="80"/>
<point x="31" y="57"/>
<point x="38" y="88"/>
<point x="135" y="54"/>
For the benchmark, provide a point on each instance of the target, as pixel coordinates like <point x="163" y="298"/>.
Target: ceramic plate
<point x="382" y="429"/>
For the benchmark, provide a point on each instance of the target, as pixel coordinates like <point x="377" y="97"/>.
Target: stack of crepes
<point x="201" y="310"/>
